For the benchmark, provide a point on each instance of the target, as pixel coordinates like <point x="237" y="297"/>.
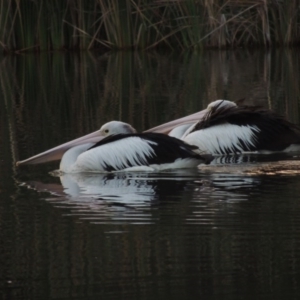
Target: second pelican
<point x="228" y="128"/>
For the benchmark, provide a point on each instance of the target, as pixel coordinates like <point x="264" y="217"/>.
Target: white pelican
<point x="227" y="128"/>
<point x="117" y="146"/>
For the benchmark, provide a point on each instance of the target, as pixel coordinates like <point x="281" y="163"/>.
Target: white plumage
<point x="120" y="154"/>
<point x="180" y="131"/>
<point x="225" y="138"/>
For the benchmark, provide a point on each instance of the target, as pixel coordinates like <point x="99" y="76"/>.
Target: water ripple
<point x="198" y="196"/>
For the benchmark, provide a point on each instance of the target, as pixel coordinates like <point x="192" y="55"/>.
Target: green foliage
<point x="32" y="25"/>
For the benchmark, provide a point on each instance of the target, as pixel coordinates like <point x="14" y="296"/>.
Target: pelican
<point x="117" y="147"/>
<point x="228" y="128"/>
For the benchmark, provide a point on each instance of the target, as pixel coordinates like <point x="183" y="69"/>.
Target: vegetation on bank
<point x="39" y="25"/>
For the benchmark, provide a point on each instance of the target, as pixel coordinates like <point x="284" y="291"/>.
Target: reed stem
<point x="142" y="24"/>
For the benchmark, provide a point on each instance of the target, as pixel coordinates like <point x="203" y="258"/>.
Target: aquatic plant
<point x="143" y="24"/>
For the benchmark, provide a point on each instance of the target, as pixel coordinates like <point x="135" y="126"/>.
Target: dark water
<point x="220" y="232"/>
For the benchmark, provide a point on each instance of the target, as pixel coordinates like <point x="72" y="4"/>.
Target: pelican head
<point x="220" y="103"/>
<point x="116" y="127"/>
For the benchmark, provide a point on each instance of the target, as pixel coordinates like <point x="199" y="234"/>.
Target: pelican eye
<point x="106" y="130"/>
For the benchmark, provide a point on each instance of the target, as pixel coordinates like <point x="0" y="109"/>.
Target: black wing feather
<point x="166" y="149"/>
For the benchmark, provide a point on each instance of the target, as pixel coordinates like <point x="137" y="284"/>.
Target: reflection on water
<point x="124" y="198"/>
<point x="226" y="231"/>
<point x="112" y="197"/>
<point x="130" y="197"/>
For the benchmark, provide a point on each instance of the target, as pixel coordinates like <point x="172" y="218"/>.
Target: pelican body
<point x="227" y="128"/>
<point x="121" y="148"/>
<point x="231" y="129"/>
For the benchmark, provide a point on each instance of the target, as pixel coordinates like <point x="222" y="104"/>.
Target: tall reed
<point x="142" y="24"/>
